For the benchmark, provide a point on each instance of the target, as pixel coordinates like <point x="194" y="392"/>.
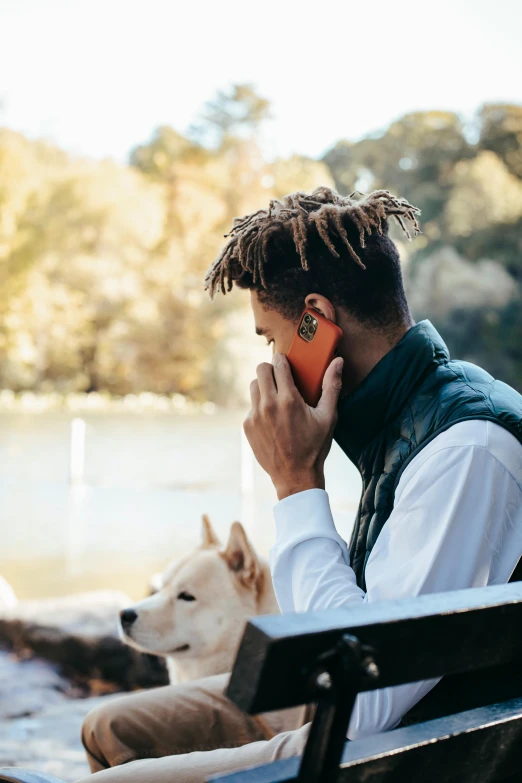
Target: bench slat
<point x="414" y="639"/>
<point x="483" y="745"/>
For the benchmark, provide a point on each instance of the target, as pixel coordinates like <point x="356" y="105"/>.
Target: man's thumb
<point x="332" y="384"/>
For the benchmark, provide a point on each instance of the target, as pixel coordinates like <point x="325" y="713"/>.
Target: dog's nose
<point x="127" y="617"/>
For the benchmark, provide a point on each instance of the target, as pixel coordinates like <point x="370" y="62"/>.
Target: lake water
<point x="147" y="480"/>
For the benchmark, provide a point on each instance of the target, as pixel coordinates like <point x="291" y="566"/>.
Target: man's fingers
<point x="283" y="375"/>
<point x="265" y="379"/>
<point x="332" y="384"/>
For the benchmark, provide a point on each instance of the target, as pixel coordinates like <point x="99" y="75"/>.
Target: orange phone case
<point x="309" y="358"/>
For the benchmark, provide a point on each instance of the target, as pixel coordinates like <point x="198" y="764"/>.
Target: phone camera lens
<point x="307" y="318"/>
<point x="304" y="330"/>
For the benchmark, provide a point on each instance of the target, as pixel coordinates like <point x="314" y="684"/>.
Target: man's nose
<point x="127" y="617"/>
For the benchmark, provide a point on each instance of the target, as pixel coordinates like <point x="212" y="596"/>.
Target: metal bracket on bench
<point x="334" y="684"/>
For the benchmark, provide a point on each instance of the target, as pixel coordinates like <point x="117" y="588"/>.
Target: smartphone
<point x="313" y="347"/>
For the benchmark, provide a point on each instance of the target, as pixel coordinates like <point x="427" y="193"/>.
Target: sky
<point x="97" y="76"/>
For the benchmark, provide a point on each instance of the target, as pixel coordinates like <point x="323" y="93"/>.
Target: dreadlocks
<point x="325" y="242"/>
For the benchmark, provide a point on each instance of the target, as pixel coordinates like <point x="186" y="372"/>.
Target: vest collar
<point x="383" y="393"/>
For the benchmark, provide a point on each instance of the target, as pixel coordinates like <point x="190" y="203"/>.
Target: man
<point x="438" y="445"/>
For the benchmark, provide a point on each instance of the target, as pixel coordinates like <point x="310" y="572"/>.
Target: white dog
<point x="197" y="617"/>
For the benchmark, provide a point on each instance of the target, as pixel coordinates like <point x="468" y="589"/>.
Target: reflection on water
<point x="147" y="480"/>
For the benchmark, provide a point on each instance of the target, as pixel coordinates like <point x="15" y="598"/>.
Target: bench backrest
<point x="288" y="660"/>
<point x="413" y="639"/>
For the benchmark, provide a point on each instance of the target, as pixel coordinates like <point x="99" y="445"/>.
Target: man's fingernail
<point x="339" y="366"/>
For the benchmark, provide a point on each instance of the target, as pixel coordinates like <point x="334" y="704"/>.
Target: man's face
<point x="277" y="331"/>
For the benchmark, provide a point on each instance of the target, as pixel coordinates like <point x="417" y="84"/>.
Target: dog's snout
<point x="127" y="617"/>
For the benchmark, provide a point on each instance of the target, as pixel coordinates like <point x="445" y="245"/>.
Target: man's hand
<point x="289" y="439"/>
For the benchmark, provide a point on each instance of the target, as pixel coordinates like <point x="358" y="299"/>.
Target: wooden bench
<point x="329" y="657"/>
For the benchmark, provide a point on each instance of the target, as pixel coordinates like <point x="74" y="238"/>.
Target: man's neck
<point x="362" y="348"/>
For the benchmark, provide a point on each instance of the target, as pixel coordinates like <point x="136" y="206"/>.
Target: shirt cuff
<point x="303" y="516"/>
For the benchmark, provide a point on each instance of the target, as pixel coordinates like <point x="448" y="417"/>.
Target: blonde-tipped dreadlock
<point x="296" y="213"/>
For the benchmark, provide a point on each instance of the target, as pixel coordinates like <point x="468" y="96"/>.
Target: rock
<point x="40" y="712"/>
<point x="40" y="720"/>
<point x="80" y="633"/>
<point x="29" y="686"/>
<point x="49" y="742"/>
<point x="7" y="595"/>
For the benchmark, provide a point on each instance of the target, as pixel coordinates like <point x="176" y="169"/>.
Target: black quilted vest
<point x="412" y="395"/>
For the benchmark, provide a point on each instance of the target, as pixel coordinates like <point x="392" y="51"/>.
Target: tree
<point x="233" y="114"/>
<point x="86" y="242"/>
<point x="28" y="170"/>
<point x="501" y="133"/>
<point x="209" y="177"/>
<point x="483" y="194"/>
<point x="414" y="158"/>
<point x="298" y="172"/>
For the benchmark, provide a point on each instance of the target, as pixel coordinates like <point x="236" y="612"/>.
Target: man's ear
<point x="321" y="304"/>
<point x="208" y="535"/>
<point x="240" y="557"/>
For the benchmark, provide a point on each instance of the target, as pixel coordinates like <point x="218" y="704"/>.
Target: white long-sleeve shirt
<point x="456" y="523"/>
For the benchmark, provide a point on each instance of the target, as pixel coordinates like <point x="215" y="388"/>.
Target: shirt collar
<point x="380" y="396"/>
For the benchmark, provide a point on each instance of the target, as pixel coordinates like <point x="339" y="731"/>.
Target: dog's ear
<point x="240" y="555"/>
<point x="208" y="535"/>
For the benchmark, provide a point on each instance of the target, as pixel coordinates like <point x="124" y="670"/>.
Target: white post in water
<point x="77" y="490"/>
<point x="77" y="457"/>
<point x="247" y="484"/>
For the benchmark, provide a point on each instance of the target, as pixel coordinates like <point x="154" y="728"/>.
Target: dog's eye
<point x="184" y="596"/>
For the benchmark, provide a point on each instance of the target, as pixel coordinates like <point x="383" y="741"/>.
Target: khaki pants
<point x="185" y="733"/>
